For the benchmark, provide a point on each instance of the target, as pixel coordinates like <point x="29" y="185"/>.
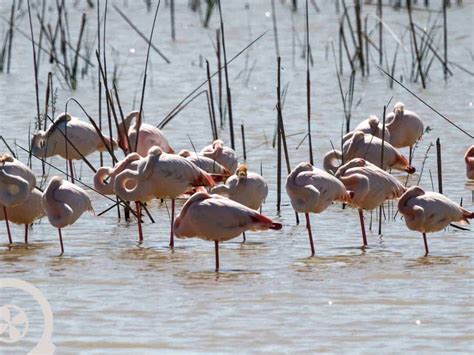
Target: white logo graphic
<point x="14" y="323"/>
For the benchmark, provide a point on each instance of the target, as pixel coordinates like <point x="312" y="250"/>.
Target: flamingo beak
<point x="410" y="169"/>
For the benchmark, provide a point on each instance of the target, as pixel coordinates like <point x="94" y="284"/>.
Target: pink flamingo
<point x="104" y="173"/>
<point x="312" y="190"/>
<point x="469" y="159"/>
<point x="427" y="212"/>
<point x="368" y="147"/>
<point x="405" y="127"/>
<point x="82" y="135"/>
<point x="16" y="183"/>
<point x="27" y="212"/>
<point x="207" y="164"/>
<point x="373" y="126"/>
<point x="371" y="185"/>
<point x="217" y="218"/>
<point x="160" y="175"/>
<point x="148" y="137"/>
<point x="64" y="203"/>
<point x="222" y="154"/>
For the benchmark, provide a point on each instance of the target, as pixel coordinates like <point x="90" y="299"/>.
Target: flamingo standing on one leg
<point x="160" y="175"/>
<point x="313" y="190"/>
<point x="368" y="147"/>
<point x="371" y="186"/>
<point x="64" y="203"/>
<point x="148" y="137"/>
<point x="222" y="154"/>
<point x="16" y="183"/>
<point x="217" y="218"/>
<point x="469" y="159"/>
<point x="81" y="135"/>
<point x="427" y="212"/>
<point x="248" y="188"/>
<point x="27" y="212"/>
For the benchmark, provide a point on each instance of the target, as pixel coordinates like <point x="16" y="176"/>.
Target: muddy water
<point x="109" y="295"/>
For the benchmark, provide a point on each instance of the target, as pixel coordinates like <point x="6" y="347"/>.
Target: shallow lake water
<point x="110" y="295"/>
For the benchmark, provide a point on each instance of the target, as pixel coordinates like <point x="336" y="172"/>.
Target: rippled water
<point x="109" y="295"/>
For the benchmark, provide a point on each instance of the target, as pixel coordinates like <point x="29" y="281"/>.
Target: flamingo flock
<point x="224" y="196"/>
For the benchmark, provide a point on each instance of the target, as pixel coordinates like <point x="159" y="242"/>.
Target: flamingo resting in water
<point x="159" y="175"/>
<point x="217" y="218"/>
<point x="64" y="203"/>
<point x="148" y="137"/>
<point x="222" y="154"/>
<point x="84" y="140"/>
<point x="27" y="212"/>
<point x="368" y="147"/>
<point x="16" y="183"/>
<point x="427" y="212"/>
<point x="312" y="190"/>
<point x="405" y="127"/>
<point x="371" y="186"/>
<point x="469" y="159"/>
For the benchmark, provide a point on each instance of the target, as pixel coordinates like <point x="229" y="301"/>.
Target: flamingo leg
<point x="410" y="154"/>
<point x="71" y="169"/>
<point x="310" y="234"/>
<point x="61" y="241"/>
<point x="26" y="233"/>
<point x="172" y="225"/>
<point x="426" y="244"/>
<point x="243" y="237"/>
<point x="139" y="217"/>
<point x="216" y="245"/>
<point x="362" y="227"/>
<point x="10" y="241"/>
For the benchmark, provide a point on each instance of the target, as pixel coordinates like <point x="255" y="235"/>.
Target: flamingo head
<point x="184" y="153"/>
<point x="373" y="122"/>
<point x="469" y="153"/>
<point x="63" y="117"/>
<point x="155" y="151"/>
<point x="241" y="171"/>
<point x="6" y="158"/>
<point x="218" y="144"/>
<point x="398" y="108"/>
<point x="39" y="143"/>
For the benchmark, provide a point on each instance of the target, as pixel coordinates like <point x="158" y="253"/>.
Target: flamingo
<point x="313" y="190"/>
<point x="148" y="137"/>
<point x="371" y="187"/>
<point x="27" y="212"/>
<point x="405" y="127"/>
<point x="207" y="164"/>
<point x="469" y="159"/>
<point x="160" y="175"/>
<point x="217" y="218"/>
<point x="247" y="188"/>
<point x="427" y="212"/>
<point x="368" y="147"/>
<point x="16" y="183"/>
<point x="104" y="173"/>
<point x="81" y="135"/>
<point x="64" y="203"/>
<point x="222" y="154"/>
<point x="373" y="126"/>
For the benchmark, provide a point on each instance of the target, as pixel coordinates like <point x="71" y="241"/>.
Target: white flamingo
<point x="405" y="127"/>
<point x="427" y="212"/>
<point x="64" y="203"/>
<point x="312" y="190"/>
<point x="222" y="154"/>
<point x="217" y="218"/>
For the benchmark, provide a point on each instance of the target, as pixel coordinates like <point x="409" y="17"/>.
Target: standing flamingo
<point x="427" y="212"/>
<point x="16" y="183"/>
<point x="371" y="186"/>
<point x="248" y="188"/>
<point x="222" y="154"/>
<point x="405" y="127"/>
<point x="207" y="164"/>
<point x="160" y="175"/>
<point x="469" y="159"/>
<point x="313" y="190"/>
<point x="27" y="212"/>
<point x="84" y="140"/>
<point x="373" y="126"/>
<point x="368" y="147"/>
<point x="217" y="218"/>
<point x="64" y="203"/>
<point x="148" y="137"/>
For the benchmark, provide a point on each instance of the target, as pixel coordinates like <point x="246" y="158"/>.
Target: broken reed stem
<point x="173" y="28"/>
<point x="275" y="29"/>
<point x="229" y="97"/>
<point x="38" y="117"/>
<point x="10" y="36"/>
<point x="445" y="38"/>
<point x="76" y="58"/>
<point x="439" y="165"/>
<point x="308" y="89"/>
<point x="359" y="35"/>
<point x="415" y="45"/>
<point x="381" y="163"/>
<point x="99" y="83"/>
<point x="218" y="54"/>
<point x="43" y="8"/>
<point x="379" y="15"/>
<point x="211" y="97"/>
<point x="242" y="130"/>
